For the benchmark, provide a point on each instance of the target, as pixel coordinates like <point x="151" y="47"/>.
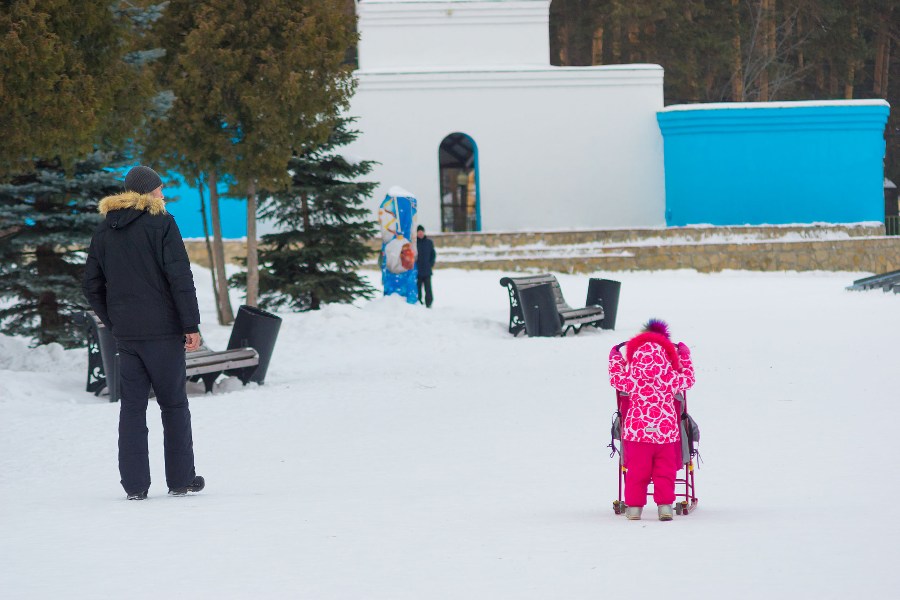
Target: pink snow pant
<point x="646" y="461"/>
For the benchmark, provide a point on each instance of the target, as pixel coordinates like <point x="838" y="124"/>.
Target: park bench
<point x="552" y="314"/>
<point x="241" y="359"/>
<point x="885" y="281"/>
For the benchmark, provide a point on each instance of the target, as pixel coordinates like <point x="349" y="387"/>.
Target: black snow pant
<point x="426" y="283"/>
<point x="161" y="364"/>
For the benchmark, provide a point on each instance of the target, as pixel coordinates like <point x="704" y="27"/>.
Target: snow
<point x="398" y="452"/>
<point x="784" y="104"/>
<point x="693" y="236"/>
<point x="352" y="159"/>
<point x="398" y="192"/>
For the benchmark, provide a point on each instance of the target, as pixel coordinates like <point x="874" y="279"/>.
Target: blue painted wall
<point x="774" y="163"/>
<point x="186" y="209"/>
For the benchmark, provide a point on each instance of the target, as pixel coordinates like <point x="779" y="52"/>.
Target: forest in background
<point x="744" y="50"/>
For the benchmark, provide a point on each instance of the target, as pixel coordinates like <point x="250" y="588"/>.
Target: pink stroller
<point x="685" y="487"/>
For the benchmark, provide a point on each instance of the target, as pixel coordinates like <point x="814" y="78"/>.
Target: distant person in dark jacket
<point x="138" y="280"/>
<point x="424" y="264"/>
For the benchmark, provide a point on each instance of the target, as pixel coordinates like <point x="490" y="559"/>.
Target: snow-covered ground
<point x="398" y="452"/>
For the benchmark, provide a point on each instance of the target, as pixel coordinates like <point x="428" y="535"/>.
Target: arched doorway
<point x="460" y="200"/>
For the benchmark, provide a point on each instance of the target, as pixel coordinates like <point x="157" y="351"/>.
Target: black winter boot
<point x="195" y="486"/>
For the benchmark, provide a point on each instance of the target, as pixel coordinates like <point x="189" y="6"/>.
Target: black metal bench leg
<point x="209" y="380"/>
<point x="246" y="375"/>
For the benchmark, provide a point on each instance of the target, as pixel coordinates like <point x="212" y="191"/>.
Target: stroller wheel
<point x="679" y="509"/>
<point x="618" y="507"/>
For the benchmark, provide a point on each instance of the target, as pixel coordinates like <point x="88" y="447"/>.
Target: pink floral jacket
<point x="653" y="374"/>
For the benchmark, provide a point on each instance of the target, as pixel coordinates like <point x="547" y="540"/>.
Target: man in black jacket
<point x="424" y="264"/>
<point x="138" y="280"/>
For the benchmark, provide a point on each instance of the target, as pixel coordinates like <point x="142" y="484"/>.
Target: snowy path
<point x="396" y="452"/>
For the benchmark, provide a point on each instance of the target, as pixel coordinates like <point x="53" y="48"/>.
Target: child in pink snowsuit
<point x="651" y="373"/>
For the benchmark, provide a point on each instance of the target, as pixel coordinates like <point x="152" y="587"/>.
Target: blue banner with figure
<point x="397" y="219"/>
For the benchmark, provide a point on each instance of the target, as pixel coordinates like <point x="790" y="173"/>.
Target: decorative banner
<point x="397" y="217"/>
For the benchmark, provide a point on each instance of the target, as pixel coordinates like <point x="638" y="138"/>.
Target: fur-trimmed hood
<point x="124" y="209"/>
<point x="141" y="202"/>
<point x="652" y="337"/>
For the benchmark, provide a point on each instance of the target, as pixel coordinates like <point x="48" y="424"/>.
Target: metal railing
<point x="892" y="225"/>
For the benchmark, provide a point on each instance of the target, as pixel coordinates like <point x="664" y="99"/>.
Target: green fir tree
<point x="323" y="229"/>
<point x="48" y="216"/>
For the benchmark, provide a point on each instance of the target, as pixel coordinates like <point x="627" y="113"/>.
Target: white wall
<point x="416" y="33"/>
<point x="559" y="147"/>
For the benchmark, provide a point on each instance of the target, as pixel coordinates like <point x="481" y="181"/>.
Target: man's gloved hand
<point x="615" y="350"/>
<point x="683" y="350"/>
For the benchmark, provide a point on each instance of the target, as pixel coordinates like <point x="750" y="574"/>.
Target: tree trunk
<point x="691" y="75"/>
<point x="562" y="36"/>
<point x="882" y="58"/>
<point x="634" y="54"/>
<point x="886" y="68"/>
<point x="219" y="252"/>
<point x="851" y="64"/>
<point x="597" y="46"/>
<point x="737" y="67"/>
<point x="765" y="8"/>
<point x="252" y="256"/>
<point x="48" y="303"/>
<point x="616" y="26"/>
<point x="832" y="79"/>
<point x="314" y="301"/>
<point x="209" y="251"/>
<point x="772" y="47"/>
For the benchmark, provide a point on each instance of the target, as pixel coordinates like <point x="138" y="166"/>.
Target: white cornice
<point x="391" y="14"/>
<point x="500" y="77"/>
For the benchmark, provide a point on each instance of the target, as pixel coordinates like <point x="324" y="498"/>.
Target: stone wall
<point x="861" y="247"/>
<point x="865" y="254"/>
<point x="235" y="252"/>
<point x="621" y="236"/>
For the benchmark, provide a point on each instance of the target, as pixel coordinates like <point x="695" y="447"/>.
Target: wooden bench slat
<point x="210" y="362"/>
<point x="197" y="364"/>
<point x="576" y="313"/>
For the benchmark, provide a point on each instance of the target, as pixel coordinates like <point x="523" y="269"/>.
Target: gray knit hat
<point x="142" y="180"/>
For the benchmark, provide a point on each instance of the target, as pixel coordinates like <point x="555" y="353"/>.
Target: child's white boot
<point x="665" y="512"/>
<point x="633" y="513"/>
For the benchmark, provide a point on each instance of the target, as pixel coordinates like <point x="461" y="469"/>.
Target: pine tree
<point x="323" y="229"/>
<point x="254" y="81"/>
<point x="49" y="216"/>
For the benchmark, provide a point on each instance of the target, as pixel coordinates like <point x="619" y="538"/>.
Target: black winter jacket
<point x="426" y="256"/>
<point x="138" y="277"/>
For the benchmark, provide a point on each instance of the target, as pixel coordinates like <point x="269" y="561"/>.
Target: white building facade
<point x="459" y="104"/>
